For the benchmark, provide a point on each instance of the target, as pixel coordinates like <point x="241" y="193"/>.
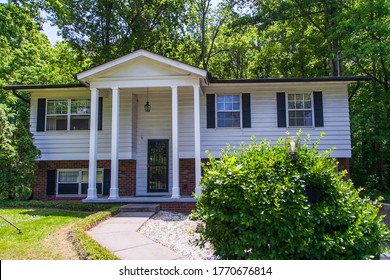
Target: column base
<point x="91" y="194"/>
<point x="114" y="194"/>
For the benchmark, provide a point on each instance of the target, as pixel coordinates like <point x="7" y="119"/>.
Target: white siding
<point x="137" y="126"/>
<point x="74" y="145"/>
<point x="264" y="120"/>
<point x="156" y="124"/>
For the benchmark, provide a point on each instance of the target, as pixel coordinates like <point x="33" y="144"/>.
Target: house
<point x="136" y="129"/>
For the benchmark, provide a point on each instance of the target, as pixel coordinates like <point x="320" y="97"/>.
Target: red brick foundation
<point x="126" y="176"/>
<point x="181" y="207"/>
<point x="187" y="176"/>
<point x="344" y="165"/>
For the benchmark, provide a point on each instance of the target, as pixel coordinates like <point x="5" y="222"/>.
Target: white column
<point x="198" y="168"/>
<point x="175" y="144"/>
<point x="92" y="193"/>
<point x="114" y="192"/>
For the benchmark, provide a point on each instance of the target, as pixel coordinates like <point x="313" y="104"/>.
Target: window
<point x="75" y="182"/>
<point x="300" y="109"/>
<point x="228" y="111"/>
<point x="68" y="114"/>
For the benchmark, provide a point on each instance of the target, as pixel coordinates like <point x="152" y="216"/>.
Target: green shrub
<point x="86" y="247"/>
<point x="255" y="206"/>
<point x="23" y="193"/>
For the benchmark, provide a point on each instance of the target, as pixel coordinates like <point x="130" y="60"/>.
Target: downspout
<point x="20" y="97"/>
<point x="354" y="91"/>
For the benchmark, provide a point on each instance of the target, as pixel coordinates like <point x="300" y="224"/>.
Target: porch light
<point x="147" y="106"/>
<point x="292" y="152"/>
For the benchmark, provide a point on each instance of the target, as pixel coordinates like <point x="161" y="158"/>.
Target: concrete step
<point x="138" y="207"/>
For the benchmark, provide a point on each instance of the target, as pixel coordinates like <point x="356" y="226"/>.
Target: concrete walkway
<point x="119" y="235"/>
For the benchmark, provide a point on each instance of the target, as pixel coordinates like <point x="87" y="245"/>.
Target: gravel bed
<point x="177" y="232"/>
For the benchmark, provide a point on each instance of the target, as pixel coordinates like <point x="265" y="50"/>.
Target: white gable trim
<point x="86" y="75"/>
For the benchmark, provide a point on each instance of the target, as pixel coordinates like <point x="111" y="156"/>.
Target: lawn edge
<point x="86" y="247"/>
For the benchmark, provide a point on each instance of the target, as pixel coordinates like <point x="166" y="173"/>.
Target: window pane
<point x="84" y="176"/>
<point x="308" y="118"/>
<point x="57" y="107"/>
<point x="68" y="188"/>
<point x="57" y="123"/>
<point x="81" y="107"/>
<point x="300" y="118"/>
<point x="99" y="176"/>
<point x="291" y="118"/>
<point x="68" y="176"/>
<point x="79" y="122"/>
<point x="229" y="119"/>
<point x="84" y="188"/>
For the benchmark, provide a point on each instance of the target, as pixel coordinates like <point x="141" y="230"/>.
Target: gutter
<point x="292" y="80"/>
<point x="15" y="88"/>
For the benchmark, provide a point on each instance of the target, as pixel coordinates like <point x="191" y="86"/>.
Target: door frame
<point x="160" y="140"/>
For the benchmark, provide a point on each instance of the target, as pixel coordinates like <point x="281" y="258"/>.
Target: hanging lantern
<point x="147" y="106"/>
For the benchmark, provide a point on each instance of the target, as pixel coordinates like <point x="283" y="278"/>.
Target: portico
<point x="135" y="74"/>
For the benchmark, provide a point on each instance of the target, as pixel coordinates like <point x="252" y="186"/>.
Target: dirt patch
<point x="61" y="243"/>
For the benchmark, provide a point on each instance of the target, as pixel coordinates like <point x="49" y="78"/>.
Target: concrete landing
<point x="119" y="235"/>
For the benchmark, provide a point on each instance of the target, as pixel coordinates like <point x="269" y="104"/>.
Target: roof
<point x="35" y="86"/>
<point x="291" y="80"/>
<point x="84" y="76"/>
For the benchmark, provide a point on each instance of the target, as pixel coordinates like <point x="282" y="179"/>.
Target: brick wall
<point x="187" y="176"/>
<point x="344" y="165"/>
<point x="126" y="177"/>
<point x="181" y="207"/>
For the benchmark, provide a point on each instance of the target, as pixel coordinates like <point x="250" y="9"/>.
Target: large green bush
<point x="255" y="205"/>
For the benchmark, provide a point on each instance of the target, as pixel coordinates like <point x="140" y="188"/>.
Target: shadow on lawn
<point x="55" y="212"/>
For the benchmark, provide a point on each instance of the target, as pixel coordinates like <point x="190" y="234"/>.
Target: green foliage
<point x="254" y="205"/>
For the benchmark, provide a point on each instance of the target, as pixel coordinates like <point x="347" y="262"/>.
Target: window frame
<point x="311" y="109"/>
<point x="226" y="111"/>
<point x="68" y="115"/>
<point x="80" y="181"/>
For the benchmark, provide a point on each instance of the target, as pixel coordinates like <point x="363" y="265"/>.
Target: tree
<point x="106" y="29"/>
<point x="23" y="55"/>
<point x="367" y="52"/>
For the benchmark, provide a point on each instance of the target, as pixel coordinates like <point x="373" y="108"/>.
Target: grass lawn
<point x="43" y="233"/>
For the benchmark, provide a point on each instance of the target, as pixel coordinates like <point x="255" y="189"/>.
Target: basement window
<point x="71" y="182"/>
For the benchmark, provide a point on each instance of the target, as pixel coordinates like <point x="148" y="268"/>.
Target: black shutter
<point x="106" y="181"/>
<point x="281" y="108"/>
<point x="51" y="182"/>
<point x="210" y="110"/>
<point x="246" y="110"/>
<point x="100" y="113"/>
<point x="41" y="114"/>
<point x="318" y="109"/>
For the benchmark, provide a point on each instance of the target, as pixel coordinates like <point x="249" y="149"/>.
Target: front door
<point x="158" y="159"/>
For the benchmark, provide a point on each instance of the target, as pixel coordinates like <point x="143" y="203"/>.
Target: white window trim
<point x="79" y="182"/>
<point x="312" y="109"/>
<point x="68" y="114"/>
<point x="217" y="111"/>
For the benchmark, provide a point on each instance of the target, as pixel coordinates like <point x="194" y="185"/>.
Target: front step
<point x="141" y="208"/>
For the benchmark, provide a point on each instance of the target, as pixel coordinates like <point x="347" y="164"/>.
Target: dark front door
<point x="158" y="158"/>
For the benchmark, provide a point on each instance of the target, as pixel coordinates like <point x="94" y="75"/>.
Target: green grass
<point x="41" y="222"/>
<point x="37" y="226"/>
